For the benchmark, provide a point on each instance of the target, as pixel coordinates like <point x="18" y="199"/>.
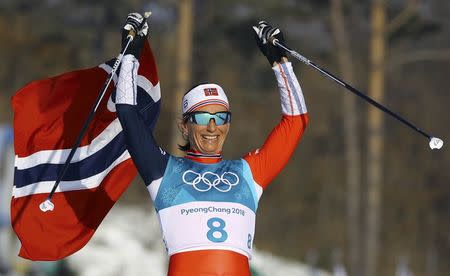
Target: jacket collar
<point x="203" y="158"/>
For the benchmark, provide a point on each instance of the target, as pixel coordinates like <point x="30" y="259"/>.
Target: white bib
<point x="208" y="225"/>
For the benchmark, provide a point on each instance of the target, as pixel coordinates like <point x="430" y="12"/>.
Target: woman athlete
<point x="207" y="205"/>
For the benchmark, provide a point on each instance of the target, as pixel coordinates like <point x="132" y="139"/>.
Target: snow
<point x="126" y="243"/>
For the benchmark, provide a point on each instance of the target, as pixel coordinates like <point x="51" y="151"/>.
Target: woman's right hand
<point x="133" y="26"/>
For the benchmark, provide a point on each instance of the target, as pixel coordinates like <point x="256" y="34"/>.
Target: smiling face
<point x="207" y="139"/>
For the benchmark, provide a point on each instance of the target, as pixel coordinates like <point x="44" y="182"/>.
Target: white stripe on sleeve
<point x="126" y="91"/>
<point x="292" y="101"/>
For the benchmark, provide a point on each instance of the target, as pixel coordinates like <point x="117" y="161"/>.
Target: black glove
<point x="263" y="33"/>
<point x="134" y="22"/>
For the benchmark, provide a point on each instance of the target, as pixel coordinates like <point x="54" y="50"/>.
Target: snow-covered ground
<point x="128" y="242"/>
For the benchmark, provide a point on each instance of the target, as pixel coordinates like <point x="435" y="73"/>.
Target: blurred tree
<point x="352" y="143"/>
<point x="375" y="137"/>
<point x="183" y="77"/>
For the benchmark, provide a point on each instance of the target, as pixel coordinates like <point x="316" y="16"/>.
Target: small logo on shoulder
<point x="255" y="152"/>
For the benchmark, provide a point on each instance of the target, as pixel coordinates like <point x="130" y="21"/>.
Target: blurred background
<point x="362" y="195"/>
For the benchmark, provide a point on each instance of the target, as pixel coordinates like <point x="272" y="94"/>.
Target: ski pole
<point x="434" y="142"/>
<point x="48" y="205"/>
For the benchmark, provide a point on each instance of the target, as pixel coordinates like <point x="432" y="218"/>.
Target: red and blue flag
<point x="48" y="116"/>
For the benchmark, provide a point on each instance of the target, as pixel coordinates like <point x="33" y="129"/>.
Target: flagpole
<point x="48" y="205"/>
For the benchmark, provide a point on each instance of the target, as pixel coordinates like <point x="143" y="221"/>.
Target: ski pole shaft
<point x="434" y="142"/>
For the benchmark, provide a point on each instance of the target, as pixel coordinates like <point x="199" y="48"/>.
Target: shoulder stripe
<point x="153" y="188"/>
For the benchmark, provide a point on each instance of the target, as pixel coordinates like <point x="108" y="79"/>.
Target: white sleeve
<point x="126" y="91"/>
<point x="292" y="101"/>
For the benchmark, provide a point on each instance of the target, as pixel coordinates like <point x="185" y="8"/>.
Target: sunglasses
<point x="202" y="117"/>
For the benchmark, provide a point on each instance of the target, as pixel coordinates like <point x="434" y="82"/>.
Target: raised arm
<point x="149" y="159"/>
<point x="267" y="161"/>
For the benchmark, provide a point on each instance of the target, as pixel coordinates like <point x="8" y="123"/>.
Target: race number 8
<point x="216" y="232"/>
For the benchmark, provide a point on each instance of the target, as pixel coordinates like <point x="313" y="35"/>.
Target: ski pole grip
<point x="132" y="33"/>
<point x="273" y="41"/>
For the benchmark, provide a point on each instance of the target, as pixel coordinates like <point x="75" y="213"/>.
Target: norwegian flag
<point x="211" y="91"/>
<point x="48" y="115"/>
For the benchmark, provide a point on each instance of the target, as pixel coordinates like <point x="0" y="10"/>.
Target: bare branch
<point x="401" y="19"/>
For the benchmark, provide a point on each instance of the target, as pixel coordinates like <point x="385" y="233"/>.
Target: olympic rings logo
<point x="210" y="180"/>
